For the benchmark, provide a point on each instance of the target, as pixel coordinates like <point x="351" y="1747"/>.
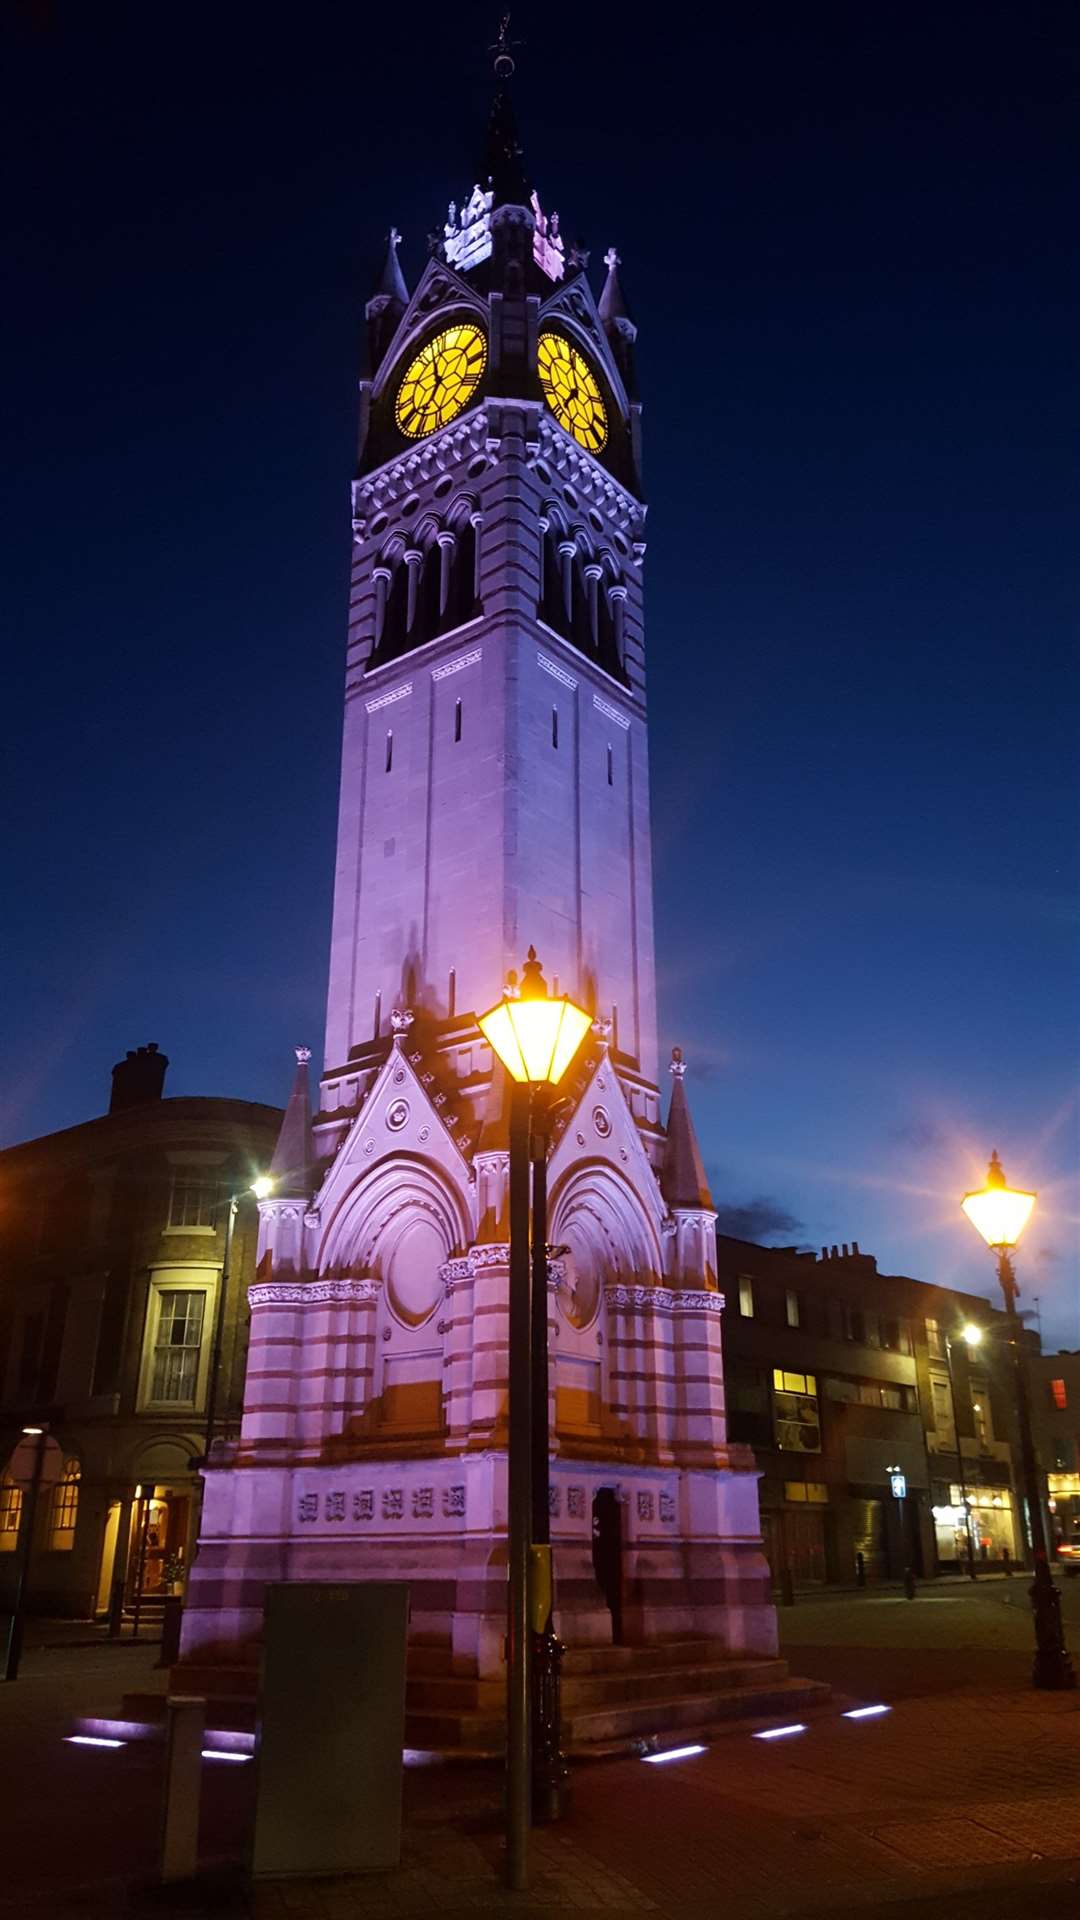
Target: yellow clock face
<point x="441" y="380"/>
<point x="572" y="391"/>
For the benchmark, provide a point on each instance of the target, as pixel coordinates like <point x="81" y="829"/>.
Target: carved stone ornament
<point x="663" y="1300"/>
<point x="314" y="1293"/>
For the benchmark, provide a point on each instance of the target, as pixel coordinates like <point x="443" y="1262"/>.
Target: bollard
<point x="183" y="1777"/>
<point x="1006" y="1563"/>
<point x="787" y="1587"/>
<point x="116" y="1609"/>
<point x="909" y="1583"/>
<point x="171" y="1616"/>
<point x="860" y="1570"/>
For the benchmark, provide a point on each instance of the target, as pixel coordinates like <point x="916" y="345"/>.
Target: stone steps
<point x="611" y="1696"/>
<point x="462" y="1693"/>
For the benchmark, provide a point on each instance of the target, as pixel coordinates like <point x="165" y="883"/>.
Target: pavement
<point x="964" y="1798"/>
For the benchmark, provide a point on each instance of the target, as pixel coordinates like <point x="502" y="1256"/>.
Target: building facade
<point x="494" y="798"/>
<point x="112" y="1241"/>
<point x="1055" y="1397"/>
<point x="840" y="1378"/>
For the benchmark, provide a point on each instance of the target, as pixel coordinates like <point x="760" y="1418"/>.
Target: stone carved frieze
<point x="442" y="453"/>
<point x="663" y="1300"/>
<point x="314" y="1293"/>
<point x="591" y="481"/>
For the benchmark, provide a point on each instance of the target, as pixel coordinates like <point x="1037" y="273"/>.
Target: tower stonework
<point x="494" y="795"/>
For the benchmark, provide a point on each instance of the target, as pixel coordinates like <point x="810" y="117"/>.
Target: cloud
<point x="761" y="1219"/>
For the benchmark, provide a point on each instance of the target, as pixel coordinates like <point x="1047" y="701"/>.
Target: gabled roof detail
<point x="439" y="286"/>
<point x="612" y="306"/>
<point x="682" y="1177"/>
<point x="574" y="303"/>
<point x="407" y="1112"/>
<point x="391" y="281"/>
<point x="293" y="1164"/>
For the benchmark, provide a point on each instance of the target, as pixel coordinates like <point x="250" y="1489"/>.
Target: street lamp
<point x="1000" y="1213"/>
<point x="536" y="1036"/>
<point x="971" y="1335"/>
<point x="261" y="1187"/>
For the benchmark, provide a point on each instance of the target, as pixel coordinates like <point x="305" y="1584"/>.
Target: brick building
<point x="111" y="1248"/>
<point x="838" y="1376"/>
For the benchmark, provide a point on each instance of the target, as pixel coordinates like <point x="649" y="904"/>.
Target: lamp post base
<point x="550" y="1773"/>
<point x="1052" y="1669"/>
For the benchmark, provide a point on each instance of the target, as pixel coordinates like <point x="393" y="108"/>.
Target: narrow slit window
<point x="554" y="726"/>
<point x="610" y="768"/>
<point x="457" y="720"/>
<point x="389" y="749"/>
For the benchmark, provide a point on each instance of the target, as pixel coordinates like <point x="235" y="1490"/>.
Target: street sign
<point x="898" y="1482"/>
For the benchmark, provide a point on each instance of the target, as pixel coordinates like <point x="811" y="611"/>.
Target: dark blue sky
<point x="847" y="233"/>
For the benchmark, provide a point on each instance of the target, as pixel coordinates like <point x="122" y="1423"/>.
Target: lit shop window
<point x="807" y="1492"/>
<point x="1058" y="1395"/>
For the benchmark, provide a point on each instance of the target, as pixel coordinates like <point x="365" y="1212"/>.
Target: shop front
<point x="990" y="1519"/>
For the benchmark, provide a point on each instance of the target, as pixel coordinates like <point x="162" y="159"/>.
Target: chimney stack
<point x="138" y="1079"/>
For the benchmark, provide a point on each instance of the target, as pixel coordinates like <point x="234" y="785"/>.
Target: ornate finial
<point x="401" y="1020"/>
<point x="678" y="1064"/>
<point x="579" y="254"/>
<point x="612" y="260"/>
<point x="533" y="984"/>
<point x="394" y="238"/>
<point x="995" y="1172"/>
<point x="504" y="59"/>
<point x="602" y="1027"/>
<point x="303" y="1055"/>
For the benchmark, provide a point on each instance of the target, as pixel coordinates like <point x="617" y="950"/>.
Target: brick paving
<point x="964" y="1800"/>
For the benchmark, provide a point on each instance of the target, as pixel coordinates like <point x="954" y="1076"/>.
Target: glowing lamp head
<point x="971" y="1335"/>
<point x="535" y="1036"/>
<point x="999" y="1212"/>
<point x="262" y="1187"/>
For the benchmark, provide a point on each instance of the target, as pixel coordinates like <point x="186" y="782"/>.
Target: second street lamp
<point x="535" y="1036"/>
<point x="1000" y="1213"/>
<point x="971" y="1335"/>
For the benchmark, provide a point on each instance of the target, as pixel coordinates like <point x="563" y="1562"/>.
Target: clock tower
<point x="494" y="796"/>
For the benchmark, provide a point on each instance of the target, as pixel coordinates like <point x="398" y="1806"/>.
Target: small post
<point x="860" y="1570"/>
<point x="13" y="1655"/>
<point x="184" y="1735"/>
<point x="909" y="1583"/>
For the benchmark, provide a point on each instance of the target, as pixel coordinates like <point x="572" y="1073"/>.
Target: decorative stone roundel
<point x="601" y="1122"/>
<point x="414" y="1284"/>
<point x="397" y="1115"/>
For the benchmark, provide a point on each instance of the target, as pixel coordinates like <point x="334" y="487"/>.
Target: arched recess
<point x="404" y="1213"/>
<point x="598" y="1214"/>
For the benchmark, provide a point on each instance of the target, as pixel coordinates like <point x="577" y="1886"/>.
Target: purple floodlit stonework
<point x="494" y="795"/>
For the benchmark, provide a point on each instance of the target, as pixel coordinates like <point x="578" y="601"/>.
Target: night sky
<point x="846" y="233"/>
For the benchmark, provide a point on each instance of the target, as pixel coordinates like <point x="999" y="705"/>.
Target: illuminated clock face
<point x="441" y="380"/>
<point x="572" y="391"/>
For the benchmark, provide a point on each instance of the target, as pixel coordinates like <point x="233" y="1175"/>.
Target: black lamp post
<point x="1000" y="1213"/>
<point x="536" y="1037"/>
<point x="971" y="1335"/>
